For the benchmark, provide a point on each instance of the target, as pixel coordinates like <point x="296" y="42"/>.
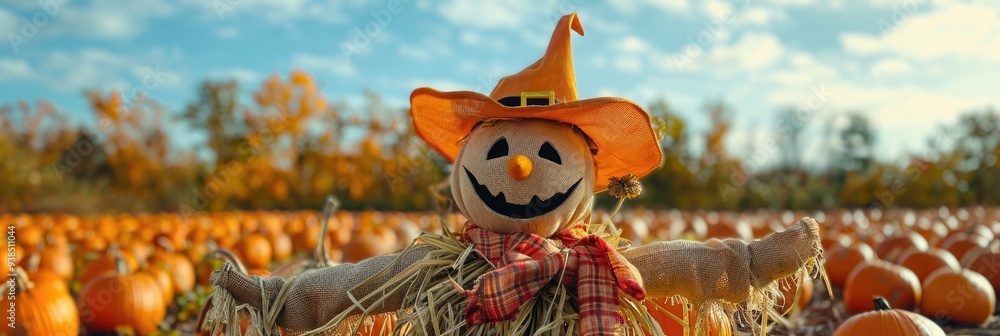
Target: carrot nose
<point x="519" y="167"/>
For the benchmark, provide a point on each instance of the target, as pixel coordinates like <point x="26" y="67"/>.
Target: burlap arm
<point x="317" y="296"/>
<point x="724" y="269"/>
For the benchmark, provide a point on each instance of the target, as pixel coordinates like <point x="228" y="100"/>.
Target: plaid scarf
<point x="526" y="263"/>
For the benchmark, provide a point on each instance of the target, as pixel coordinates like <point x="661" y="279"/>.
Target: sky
<point x="909" y="65"/>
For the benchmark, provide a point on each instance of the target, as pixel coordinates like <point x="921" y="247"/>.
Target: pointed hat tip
<point x="574" y="22"/>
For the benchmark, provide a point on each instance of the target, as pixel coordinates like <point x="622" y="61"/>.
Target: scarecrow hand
<point x="724" y="269"/>
<point x="318" y="296"/>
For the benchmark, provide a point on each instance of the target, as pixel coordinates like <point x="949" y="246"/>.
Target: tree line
<point x="285" y="145"/>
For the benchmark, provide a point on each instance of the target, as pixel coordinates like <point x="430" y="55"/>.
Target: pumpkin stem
<point x="229" y="256"/>
<point x="121" y="266"/>
<point x="24" y="284"/>
<point x="165" y="243"/>
<point x="881" y="304"/>
<point x="319" y="255"/>
<point x="33" y="261"/>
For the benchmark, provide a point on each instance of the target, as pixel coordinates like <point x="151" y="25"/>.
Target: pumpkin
<point x="227" y="255"/>
<point x="923" y="263"/>
<point x="794" y="291"/>
<point x="885" y="321"/>
<point x="988" y="264"/>
<point x="162" y="280"/>
<point x="179" y="268"/>
<point x="57" y="259"/>
<point x="107" y="262"/>
<point x="962" y="243"/>
<point x="30" y="237"/>
<point x="140" y="249"/>
<point x="44" y="278"/>
<point x="281" y="245"/>
<point x="900" y="287"/>
<point x="254" y="250"/>
<point x="93" y="243"/>
<point x="43" y="310"/>
<point x="835" y="239"/>
<point x="122" y="299"/>
<point x="369" y="241"/>
<point x="677" y="317"/>
<point x="892" y="247"/>
<point x="960" y="296"/>
<point x="841" y="260"/>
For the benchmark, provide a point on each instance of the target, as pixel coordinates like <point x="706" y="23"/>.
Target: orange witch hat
<point x="619" y="128"/>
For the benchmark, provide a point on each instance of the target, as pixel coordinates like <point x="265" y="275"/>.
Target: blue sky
<point x="911" y="65"/>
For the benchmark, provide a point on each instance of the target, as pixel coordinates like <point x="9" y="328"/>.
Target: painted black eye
<point x="549" y="153"/>
<point x="499" y="149"/>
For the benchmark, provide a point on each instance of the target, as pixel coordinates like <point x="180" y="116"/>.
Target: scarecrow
<point x="528" y="160"/>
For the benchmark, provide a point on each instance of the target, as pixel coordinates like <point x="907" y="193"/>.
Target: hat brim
<point x="618" y="127"/>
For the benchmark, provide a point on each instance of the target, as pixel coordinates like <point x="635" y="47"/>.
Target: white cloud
<point x="107" y="19"/>
<point x="9" y="22"/>
<point x="753" y="51"/>
<point x="793" y="2"/>
<point x="631" y="44"/>
<point x="761" y="16"/>
<point x="957" y="30"/>
<point x="487" y="14"/>
<point x="888" y="67"/>
<point x="717" y="8"/>
<point x="802" y="69"/>
<point x="92" y="68"/>
<point x="279" y="11"/>
<point x="333" y="65"/>
<point x="14" y="69"/>
<point x="439" y="84"/>
<point x="665" y="6"/>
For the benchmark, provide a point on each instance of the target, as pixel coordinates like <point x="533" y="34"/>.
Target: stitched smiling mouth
<point x="536" y="207"/>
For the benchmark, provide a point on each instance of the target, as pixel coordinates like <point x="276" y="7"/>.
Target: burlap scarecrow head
<point x="529" y="156"/>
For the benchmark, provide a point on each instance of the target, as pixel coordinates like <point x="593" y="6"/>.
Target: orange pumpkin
<point x="254" y="250"/>
<point x="960" y="296"/>
<point x="162" y="280"/>
<point x="962" y="243"/>
<point x="179" y="268"/>
<point x="370" y="241"/>
<point x="57" y="259"/>
<point x="44" y="278"/>
<point x="841" y="260"/>
<point x="988" y="264"/>
<point x="835" y="239"/>
<point x="923" y="263"/>
<point x="885" y="321"/>
<point x="799" y="292"/>
<point x="281" y="245"/>
<point x="227" y="255"/>
<point x="892" y="247"/>
<point x="108" y="262"/>
<point x="122" y="298"/>
<point x="897" y="284"/>
<point x="42" y="310"/>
